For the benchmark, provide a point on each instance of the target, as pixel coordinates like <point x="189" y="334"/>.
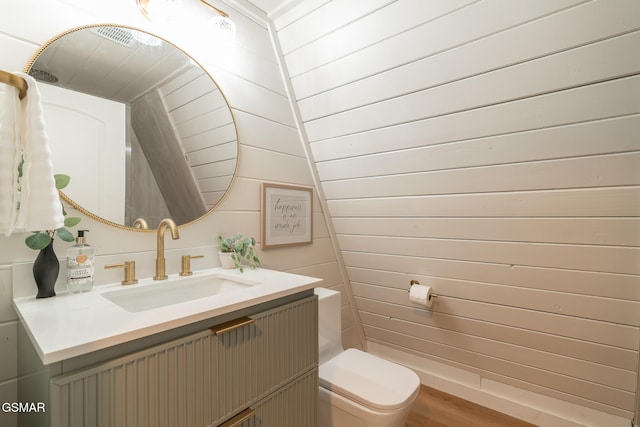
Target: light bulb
<point x="224" y="30"/>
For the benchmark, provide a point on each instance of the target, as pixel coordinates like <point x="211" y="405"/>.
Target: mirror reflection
<point x="143" y="131"/>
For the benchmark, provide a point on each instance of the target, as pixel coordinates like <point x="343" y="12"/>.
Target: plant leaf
<point x="71" y="221"/>
<point x="65" y="235"/>
<point x="38" y="241"/>
<point x="61" y="180"/>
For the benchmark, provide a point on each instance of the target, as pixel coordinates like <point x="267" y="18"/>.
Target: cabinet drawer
<point x="255" y="359"/>
<point x="197" y="380"/>
<point x="293" y="405"/>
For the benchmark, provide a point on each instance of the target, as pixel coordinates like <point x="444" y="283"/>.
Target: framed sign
<point x="286" y="215"/>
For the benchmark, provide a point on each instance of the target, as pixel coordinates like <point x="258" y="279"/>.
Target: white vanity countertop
<point x="70" y="325"/>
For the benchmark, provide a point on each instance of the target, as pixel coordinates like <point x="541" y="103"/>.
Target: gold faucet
<point x="160" y="264"/>
<point x="140" y="223"/>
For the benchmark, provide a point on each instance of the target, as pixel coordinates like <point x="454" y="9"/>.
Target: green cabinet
<point x="256" y="369"/>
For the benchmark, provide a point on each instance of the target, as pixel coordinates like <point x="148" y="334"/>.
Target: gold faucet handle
<point x="129" y="272"/>
<point x="186" y="264"/>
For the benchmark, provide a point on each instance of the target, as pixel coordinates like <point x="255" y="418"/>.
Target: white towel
<point x="10" y="155"/>
<point x="40" y="207"/>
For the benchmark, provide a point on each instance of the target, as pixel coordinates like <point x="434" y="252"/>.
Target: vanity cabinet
<point x="258" y="369"/>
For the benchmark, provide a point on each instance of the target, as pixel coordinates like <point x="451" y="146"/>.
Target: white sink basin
<point x="176" y="290"/>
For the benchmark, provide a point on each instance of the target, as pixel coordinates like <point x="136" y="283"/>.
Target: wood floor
<point x="434" y="408"/>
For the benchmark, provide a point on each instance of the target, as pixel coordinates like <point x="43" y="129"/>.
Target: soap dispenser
<point x="80" y="266"/>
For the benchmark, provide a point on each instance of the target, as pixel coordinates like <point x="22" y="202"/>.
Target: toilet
<point x="357" y="389"/>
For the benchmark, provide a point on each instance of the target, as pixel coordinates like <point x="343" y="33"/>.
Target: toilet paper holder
<point x="415" y="282"/>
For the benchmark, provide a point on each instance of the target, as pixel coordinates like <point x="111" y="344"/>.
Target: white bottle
<point x="80" y="267"/>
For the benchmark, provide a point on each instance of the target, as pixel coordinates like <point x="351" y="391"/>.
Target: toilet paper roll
<point x="421" y="294"/>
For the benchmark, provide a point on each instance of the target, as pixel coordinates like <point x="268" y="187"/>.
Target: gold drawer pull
<point x="231" y="325"/>
<point x="239" y="419"/>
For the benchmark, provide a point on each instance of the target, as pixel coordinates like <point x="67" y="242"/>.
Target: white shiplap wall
<point x="202" y="120"/>
<point x="270" y="150"/>
<point x="489" y="149"/>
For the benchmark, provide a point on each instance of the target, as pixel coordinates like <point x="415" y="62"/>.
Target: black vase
<point x="45" y="272"/>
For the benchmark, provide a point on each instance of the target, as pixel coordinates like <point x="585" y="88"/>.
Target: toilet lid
<point x="369" y="380"/>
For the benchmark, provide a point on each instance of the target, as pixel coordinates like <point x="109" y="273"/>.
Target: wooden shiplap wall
<point x="270" y="150"/>
<point x="489" y="149"/>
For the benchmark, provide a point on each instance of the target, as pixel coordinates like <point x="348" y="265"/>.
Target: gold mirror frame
<point x="96" y="217"/>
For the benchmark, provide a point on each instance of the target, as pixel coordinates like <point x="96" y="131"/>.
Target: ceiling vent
<point x="43" y="76"/>
<point x="117" y="35"/>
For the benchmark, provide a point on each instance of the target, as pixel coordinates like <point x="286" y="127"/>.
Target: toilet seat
<point x="369" y="380"/>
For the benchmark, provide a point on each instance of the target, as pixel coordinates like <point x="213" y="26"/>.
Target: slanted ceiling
<point x="490" y="150"/>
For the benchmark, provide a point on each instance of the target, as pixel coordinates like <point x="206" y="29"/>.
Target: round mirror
<point x="144" y="132"/>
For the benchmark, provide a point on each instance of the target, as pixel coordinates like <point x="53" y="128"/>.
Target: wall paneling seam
<point x="304" y="140"/>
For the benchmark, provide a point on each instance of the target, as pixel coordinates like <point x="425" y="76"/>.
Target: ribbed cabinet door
<point x="257" y="359"/>
<point x="198" y="380"/>
<point x="294" y="405"/>
<point x="167" y="385"/>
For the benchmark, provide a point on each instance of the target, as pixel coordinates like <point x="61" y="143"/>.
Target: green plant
<point x="41" y="239"/>
<point x="241" y="248"/>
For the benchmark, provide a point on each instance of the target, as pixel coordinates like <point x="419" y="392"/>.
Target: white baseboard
<point x="522" y="404"/>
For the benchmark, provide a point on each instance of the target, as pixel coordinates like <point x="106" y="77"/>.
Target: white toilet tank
<point x="330" y="324"/>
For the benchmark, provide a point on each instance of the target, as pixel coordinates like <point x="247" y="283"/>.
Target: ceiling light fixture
<point x="224" y="27"/>
<point x="215" y="9"/>
<point x="157" y="10"/>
